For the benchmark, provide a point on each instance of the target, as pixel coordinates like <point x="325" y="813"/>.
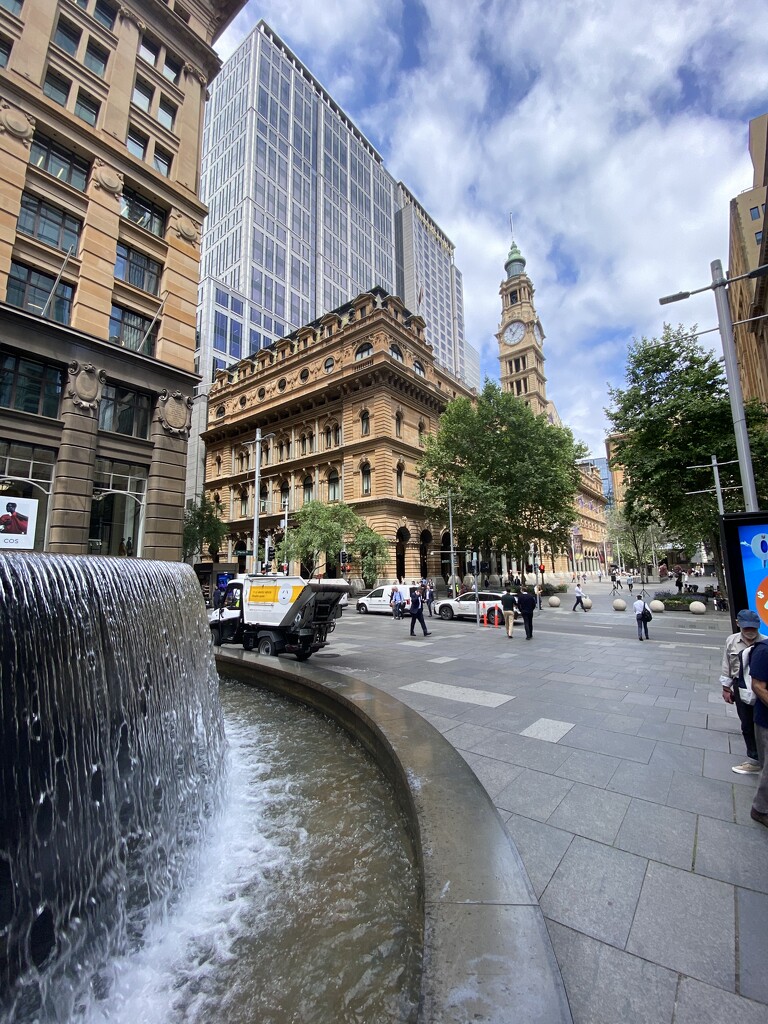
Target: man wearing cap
<point x="749" y="623"/>
<point x="759" y="669"/>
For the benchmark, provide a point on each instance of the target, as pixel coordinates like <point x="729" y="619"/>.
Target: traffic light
<point x="344" y="558"/>
<point x="541" y="567"/>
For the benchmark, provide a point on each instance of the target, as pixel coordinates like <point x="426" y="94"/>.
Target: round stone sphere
<point x="554" y="602"/>
<point x="657" y="607"/>
<point x="587" y="602"/>
<point x="697" y="608"/>
<point x="619" y="605"/>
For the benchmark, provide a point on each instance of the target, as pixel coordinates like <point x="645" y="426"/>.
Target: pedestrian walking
<point x="630" y="583"/>
<point x="642" y="616"/>
<point x="759" y="669"/>
<point x="538" y="592"/>
<point x="616" y="581"/>
<point x="734" y="685"/>
<point x="417" y="612"/>
<point x="396" y="602"/>
<point x="508" y="606"/>
<point x="578" y="593"/>
<point x="526" y="602"/>
<point x="430" y="596"/>
<point x="599" y="575"/>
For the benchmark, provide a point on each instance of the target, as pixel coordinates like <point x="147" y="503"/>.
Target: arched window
<point x="263" y="498"/>
<point x="311" y="443"/>
<point x="280" y="451"/>
<point x="333" y="486"/>
<point x="395" y="352"/>
<point x="365" y="423"/>
<point x="328" y="437"/>
<point x="337" y="435"/>
<point x="218" y="465"/>
<point x="285" y="493"/>
<point x="418" y="368"/>
<point x="398" y="424"/>
<point x="303" y="444"/>
<point x="243" y="503"/>
<point x="364" y="351"/>
<point x="308" y="489"/>
<point x="365" y="479"/>
<point x="399" y="481"/>
<point x="241" y="462"/>
<point x="421" y="432"/>
<point x="265" y="454"/>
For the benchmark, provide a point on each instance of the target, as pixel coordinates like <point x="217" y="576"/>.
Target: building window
<point x="395" y="352"/>
<point x="48" y="223"/>
<point x="284" y="497"/>
<point x="105" y="14"/>
<point x="220" y="323"/>
<point x="418" y="368"/>
<point x="398" y="424"/>
<point x="29" y="386"/>
<point x="421" y="433"/>
<point x="399" y="481"/>
<point x="755" y="213"/>
<point x="311" y="440"/>
<point x="56" y="88"/>
<point x="67" y="37"/>
<point x="328" y="364"/>
<point x="87" y="108"/>
<point x="123" y="411"/>
<point x="59" y="162"/>
<point x="333" y="486"/>
<point x="308" y="489"/>
<point x="263" y="498"/>
<point x="142" y="212"/>
<point x="5" y="52"/>
<point x="166" y="114"/>
<point x="162" y="162"/>
<point x="137" y="269"/>
<point x="96" y="59"/>
<point x="337" y="435"/>
<point x="172" y="69"/>
<point x="132" y="330"/>
<point x="365" y="479"/>
<point x="243" y="503"/>
<point x="328" y="437"/>
<point x="142" y="95"/>
<point x="14" y="6"/>
<point x="364" y="351"/>
<point x="30" y="289"/>
<point x="137" y="143"/>
<point x="365" y="423"/>
<point x="759" y="237"/>
<point x="149" y="51"/>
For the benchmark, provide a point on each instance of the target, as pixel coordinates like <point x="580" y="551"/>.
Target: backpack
<point x="647" y="614"/>
<point x="746" y="694"/>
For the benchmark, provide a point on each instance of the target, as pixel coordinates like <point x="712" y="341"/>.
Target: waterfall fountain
<point x="112" y="745"/>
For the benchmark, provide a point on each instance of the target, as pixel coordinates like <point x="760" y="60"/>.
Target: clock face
<point x="514" y="333"/>
<point x="538" y="333"/>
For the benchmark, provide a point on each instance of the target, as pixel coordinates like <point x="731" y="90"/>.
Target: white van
<point x="379" y="598"/>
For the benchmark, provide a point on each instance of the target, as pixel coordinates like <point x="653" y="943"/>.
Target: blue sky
<point x="614" y="132"/>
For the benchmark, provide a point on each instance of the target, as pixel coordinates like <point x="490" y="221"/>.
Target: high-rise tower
<point x="521" y="337"/>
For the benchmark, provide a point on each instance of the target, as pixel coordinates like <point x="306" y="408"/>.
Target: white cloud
<point x="615" y="132"/>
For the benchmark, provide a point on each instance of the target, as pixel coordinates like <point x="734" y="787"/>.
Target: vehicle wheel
<point x="302" y="655"/>
<point x="446" y="612"/>
<point x="248" y="642"/>
<point x="266" y="646"/>
<point x="216" y="637"/>
<point x="363" y="609"/>
<point x="495" y="618"/>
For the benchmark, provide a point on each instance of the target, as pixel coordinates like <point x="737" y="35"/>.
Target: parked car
<point x="378" y="599"/>
<point x="465" y="606"/>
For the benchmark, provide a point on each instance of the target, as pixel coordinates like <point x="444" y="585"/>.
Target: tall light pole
<point x="257" y="495"/>
<point x="718" y="286"/>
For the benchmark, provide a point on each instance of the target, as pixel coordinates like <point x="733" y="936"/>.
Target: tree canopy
<point x="202" y="528"/>
<point x="320" y="532"/>
<point x="675" y="413"/>
<point x="511" y="473"/>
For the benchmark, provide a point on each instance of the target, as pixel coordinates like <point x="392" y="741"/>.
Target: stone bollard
<point x="619" y="605"/>
<point x="587" y="602"/>
<point x="554" y="602"/>
<point x="697" y="608"/>
<point x="657" y="607"/>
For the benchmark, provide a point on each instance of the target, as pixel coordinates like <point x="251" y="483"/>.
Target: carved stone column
<point x="72" y="495"/>
<point x="164" y="510"/>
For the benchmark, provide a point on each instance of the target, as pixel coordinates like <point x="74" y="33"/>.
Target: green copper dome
<point x="515" y="261"/>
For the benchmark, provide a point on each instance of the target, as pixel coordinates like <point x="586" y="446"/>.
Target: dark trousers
<point x="641" y="625"/>
<point x="418" y="616"/>
<point x="579" y="601"/>
<point x="527" y="618"/>
<point x="746" y="717"/>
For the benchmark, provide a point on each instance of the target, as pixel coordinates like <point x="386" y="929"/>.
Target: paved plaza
<point x="610" y="761"/>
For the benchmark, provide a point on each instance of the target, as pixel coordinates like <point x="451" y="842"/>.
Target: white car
<point x="465" y="606"/>
<point x="378" y="599"/>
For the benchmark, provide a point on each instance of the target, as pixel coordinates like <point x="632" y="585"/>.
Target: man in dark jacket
<point x="417" y="612"/>
<point x="526" y="603"/>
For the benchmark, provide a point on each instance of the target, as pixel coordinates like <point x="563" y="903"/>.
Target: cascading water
<point x="112" y="754"/>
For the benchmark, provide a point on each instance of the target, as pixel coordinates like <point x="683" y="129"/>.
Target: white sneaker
<point x="747" y="768"/>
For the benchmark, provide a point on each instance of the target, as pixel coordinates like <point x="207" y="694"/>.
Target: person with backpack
<point x="759" y="671"/>
<point x="417" y="611"/>
<point x="642" y="617"/>
<point x="734" y="686"/>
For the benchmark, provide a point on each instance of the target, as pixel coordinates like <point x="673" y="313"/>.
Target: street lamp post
<point x="257" y="495"/>
<point x="718" y="286"/>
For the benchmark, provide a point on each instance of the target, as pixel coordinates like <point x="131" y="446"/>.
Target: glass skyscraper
<point x="303" y="216"/>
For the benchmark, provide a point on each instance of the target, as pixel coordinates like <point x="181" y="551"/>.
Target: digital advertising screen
<point x="18" y="519"/>
<point x="745" y="546"/>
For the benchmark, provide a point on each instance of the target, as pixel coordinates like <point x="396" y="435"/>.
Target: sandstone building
<point x="101" y="108"/>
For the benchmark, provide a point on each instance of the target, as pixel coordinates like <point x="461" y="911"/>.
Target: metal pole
<point x="285" y="539"/>
<point x="734" y="387"/>
<point x="256" y="501"/>
<point x="718" y="490"/>
<point x="450" y="531"/>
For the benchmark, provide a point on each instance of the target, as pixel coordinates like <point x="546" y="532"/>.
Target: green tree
<point x="511" y="473"/>
<point x="639" y="537"/>
<point x="319" y="532"/>
<point x="675" y="413"/>
<point x="202" y="528"/>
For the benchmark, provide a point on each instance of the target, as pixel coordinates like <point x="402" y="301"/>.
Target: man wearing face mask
<point x="749" y="623"/>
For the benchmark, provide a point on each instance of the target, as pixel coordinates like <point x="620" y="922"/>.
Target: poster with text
<point x="18" y="519"/>
<point x="753" y="542"/>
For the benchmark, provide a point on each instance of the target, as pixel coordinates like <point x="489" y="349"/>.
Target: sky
<point x="614" y="134"/>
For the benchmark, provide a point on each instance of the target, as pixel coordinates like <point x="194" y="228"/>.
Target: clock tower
<point x="520" y="337"/>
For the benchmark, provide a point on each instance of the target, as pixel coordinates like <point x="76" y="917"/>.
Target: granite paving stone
<point x="694" y="718"/>
<point x="663" y="928"/>
<point x="658" y="833"/>
<point x="494" y="775"/>
<point x="590" y="812"/>
<point x="523" y="750"/>
<point x="702" y="796"/>
<point x="733" y="853"/>
<point x="709" y="739"/>
<point x="743" y="797"/>
<point x="622" y="723"/>
<point x="698" y="1003"/>
<point x="541" y="847"/>
<point x="650" y="782"/>
<point x="607" y="986"/>
<point x="752" y="912"/>
<point x="588" y="767"/>
<point x="661" y="731"/>
<point x="595" y="890"/>
<point x="533" y="794"/>
<point x="718" y="765"/>
<point x="632" y="748"/>
<point x="680" y="759"/>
